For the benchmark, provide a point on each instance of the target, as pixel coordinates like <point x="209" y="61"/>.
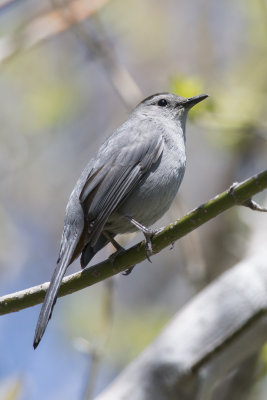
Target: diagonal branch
<point x="221" y="327"/>
<point x="46" y="26"/>
<point x="70" y="15"/>
<point x="237" y="194"/>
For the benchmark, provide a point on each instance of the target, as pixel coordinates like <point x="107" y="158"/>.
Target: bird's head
<point x="168" y="105"/>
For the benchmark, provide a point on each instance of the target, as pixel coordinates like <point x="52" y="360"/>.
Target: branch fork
<point x="253" y="205"/>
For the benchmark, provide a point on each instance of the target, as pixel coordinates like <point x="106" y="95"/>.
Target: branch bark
<point x="237" y="194"/>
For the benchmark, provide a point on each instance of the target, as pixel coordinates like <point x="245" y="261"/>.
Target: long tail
<point x="51" y="294"/>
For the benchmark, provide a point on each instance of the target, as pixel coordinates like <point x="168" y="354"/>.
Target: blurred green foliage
<point x="43" y="99"/>
<point x="133" y="332"/>
<point x="189" y="87"/>
<point x="120" y="334"/>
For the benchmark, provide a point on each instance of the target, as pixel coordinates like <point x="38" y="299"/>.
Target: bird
<point x="127" y="186"/>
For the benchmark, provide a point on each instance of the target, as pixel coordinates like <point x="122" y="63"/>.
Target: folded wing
<point x="108" y="185"/>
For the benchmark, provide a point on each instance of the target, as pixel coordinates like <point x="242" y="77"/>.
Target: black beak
<point x="192" y="101"/>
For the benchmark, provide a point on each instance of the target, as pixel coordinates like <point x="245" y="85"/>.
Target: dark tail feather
<point x="89" y="252"/>
<point x="51" y="296"/>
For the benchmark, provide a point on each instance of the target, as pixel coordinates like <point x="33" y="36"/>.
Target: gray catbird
<point x="131" y="182"/>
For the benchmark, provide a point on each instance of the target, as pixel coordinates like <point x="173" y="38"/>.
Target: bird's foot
<point x="148" y="233"/>
<point x="128" y="271"/>
<point x="172" y="245"/>
<point x="115" y="254"/>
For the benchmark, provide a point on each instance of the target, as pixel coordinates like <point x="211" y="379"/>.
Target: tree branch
<point x="238" y="194"/>
<point x="46" y="26"/>
<point x="211" y="335"/>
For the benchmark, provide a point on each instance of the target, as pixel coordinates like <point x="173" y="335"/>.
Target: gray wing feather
<point x="109" y="184"/>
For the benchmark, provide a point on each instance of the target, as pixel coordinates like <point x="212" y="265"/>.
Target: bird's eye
<point x="162" y="103"/>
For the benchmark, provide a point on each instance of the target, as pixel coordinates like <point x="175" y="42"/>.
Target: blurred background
<point x="70" y="72"/>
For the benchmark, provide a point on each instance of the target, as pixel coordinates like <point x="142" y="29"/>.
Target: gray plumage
<point x="136" y="172"/>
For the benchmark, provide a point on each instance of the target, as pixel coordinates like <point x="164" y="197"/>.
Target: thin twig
<point x="254" y="206"/>
<point x="45" y="26"/>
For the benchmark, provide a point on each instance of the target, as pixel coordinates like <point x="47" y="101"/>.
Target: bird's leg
<point x="148" y="233"/>
<point x="115" y="244"/>
<point x="119" y="249"/>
